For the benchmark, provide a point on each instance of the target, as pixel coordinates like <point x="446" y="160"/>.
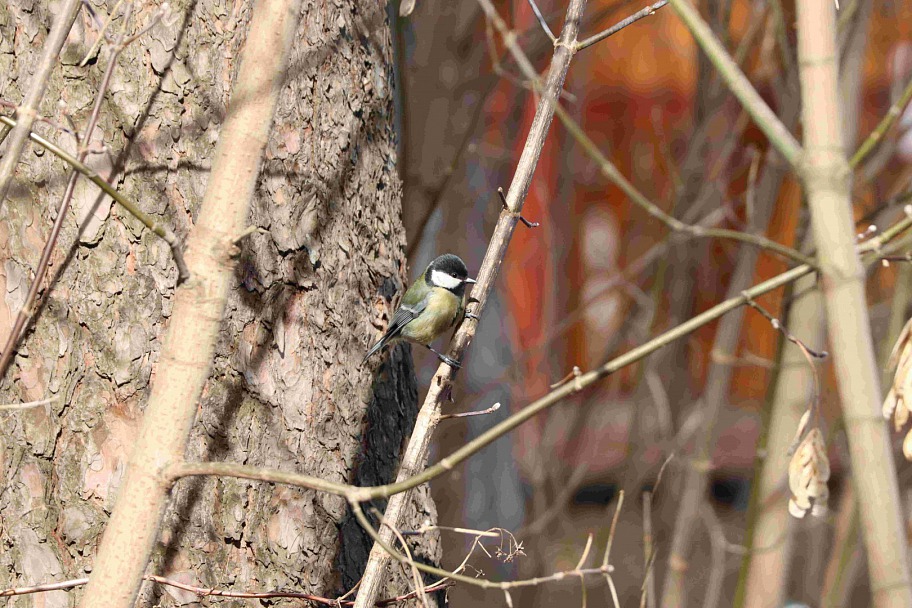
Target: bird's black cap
<point x="451" y="265"/>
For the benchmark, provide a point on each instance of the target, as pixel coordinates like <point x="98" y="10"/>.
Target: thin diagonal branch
<point x="158" y="229"/>
<point x="11" y="407"/>
<point x="541" y="20"/>
<point x="415" y="456"/>
<point x="740" y="86"/>
<point x="778" y="326"/>
<point x="617" y="27"/>
<point x="102" y="33"/>
<point x="4" y="131"/>
<point x="66" y="15"/>
<point x="877" y="135"/>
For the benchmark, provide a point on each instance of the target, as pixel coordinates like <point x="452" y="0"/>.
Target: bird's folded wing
<point x="403" y="317"/>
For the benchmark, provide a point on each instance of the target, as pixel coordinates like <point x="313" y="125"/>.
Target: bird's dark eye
<point x="454" y="275"/>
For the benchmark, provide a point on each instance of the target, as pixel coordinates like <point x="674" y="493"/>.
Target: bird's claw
<point x="451" y="362"/>
<point x="444" y="359"/>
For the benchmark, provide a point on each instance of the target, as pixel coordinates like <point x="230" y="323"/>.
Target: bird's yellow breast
<point x="442" y="312"/>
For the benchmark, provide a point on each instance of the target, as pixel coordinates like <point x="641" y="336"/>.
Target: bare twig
<point x="503" y="200"/>
<point x="498" y="69"/>
<point x="416" y="575"/>
<point x="579" y="565"/>
<point x="719" y="546"/>
<point x="877" y="135"/>
<point x="614" y="593"/>
<point x="102" y="32"/>
<point x="541" y="21"/>
<point x="470" y="580"/>
<point x="648" y="593"/>
<point x="573" y="374"/>
<point x="649" y="568"/>
<point x="614" y="521"/>
<point x="617" y="27"/>
<point x="489" y="410"/>
<point x="886" y="260"/>
<point x="162" y="14"/>
<point x="4" y="131"/>
<point x="647" y="589"/>
<point x="429" y="528"/>
<point x="845" y="558"/>
<point x="39" y="118"/>
<point x="66" y="15"/>
<point x="60" y="585"/>
<point x="29" y="404"/>
<point x="781" y="328"/>
<point x="661" y="473"/>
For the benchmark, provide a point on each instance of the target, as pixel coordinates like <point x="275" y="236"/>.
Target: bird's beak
<point x="471" y="281"/>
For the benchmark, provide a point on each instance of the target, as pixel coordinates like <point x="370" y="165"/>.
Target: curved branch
<point x="870" y="249"/>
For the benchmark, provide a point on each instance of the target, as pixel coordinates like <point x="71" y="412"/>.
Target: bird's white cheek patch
<point x="444" y="280"/>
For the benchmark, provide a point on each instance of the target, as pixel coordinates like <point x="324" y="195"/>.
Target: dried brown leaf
<point x="809" y="470"/>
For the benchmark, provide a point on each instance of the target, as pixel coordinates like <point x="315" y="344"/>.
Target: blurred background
<point x="600" y="276"/>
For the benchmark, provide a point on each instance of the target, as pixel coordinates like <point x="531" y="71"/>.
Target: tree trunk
<point x="287" y="389"/>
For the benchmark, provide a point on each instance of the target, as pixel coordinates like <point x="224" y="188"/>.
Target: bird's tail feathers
<point x="380" y="344"/>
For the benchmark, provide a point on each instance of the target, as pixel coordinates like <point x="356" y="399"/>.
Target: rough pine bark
<point x="287" y="388"/>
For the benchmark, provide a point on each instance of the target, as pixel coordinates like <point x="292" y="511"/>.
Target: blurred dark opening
<point x="595" y="494"/>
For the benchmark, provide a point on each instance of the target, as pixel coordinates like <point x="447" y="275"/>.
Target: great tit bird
<point x="433" y="304"/>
